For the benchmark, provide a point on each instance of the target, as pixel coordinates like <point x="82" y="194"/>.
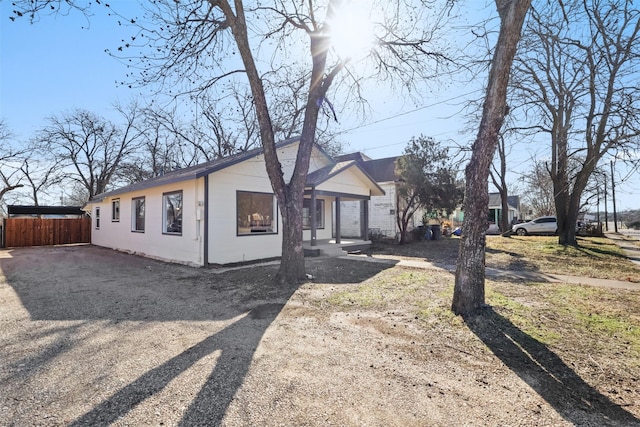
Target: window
<point x="115" y="210"/>
<point x="306" y="216"/>
<point x="97" y="218"/>
<point x="256" y="213"/>
<point x="137" y="214"/>
<point x="172" y="215"/>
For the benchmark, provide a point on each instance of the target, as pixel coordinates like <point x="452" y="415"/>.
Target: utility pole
<point x="613" y="194"/>
<point x="606" y="215"/>
<point x="598" y="206"/>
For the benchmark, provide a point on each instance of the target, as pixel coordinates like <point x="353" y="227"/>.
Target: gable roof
<point x="382" y="170"/>
<point x="193" y="172"/>
<point x="357" y="156"/>
<point x="496" y="200"/>
<point x="321" y="175"/>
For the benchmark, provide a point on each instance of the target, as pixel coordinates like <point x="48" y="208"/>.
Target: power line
<point x="444" y="101"/>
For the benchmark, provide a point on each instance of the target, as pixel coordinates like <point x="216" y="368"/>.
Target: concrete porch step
<point x="332" y="249"/>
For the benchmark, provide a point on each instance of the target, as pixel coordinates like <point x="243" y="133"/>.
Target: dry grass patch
<point x="596" y="257"/>
<point x="595" y="332"/>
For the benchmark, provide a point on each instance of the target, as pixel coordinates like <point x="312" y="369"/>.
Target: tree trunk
<point x="499" y="178"/>
<point x="292" y="262"/>
<point x="468" y="293"/>
<point x="505" y="224"/>
<point x="290" y="195"/>
<point x="568" y="218"/>
<point x="403" y="216"/>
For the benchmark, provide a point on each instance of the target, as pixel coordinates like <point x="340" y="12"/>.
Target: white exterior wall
<point x="350" y="219"/>
<point x="322" y="233"/>
<point x="381" y="220"/>
<point x="348" y="182"/>
<point x="186" y="248"/>
<point x="225" y="245"/>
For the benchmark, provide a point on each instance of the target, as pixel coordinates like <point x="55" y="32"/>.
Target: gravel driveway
<point x="93" y="337"/>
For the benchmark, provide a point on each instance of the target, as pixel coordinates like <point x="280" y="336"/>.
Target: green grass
<point x="523" y="316"/>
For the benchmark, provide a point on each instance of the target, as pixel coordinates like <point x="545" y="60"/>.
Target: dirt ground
<point x="93" y="337"/>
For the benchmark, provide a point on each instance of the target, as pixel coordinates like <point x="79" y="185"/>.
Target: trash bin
<point x="436" y="232"/>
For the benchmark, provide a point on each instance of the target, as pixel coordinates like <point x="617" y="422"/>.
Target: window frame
<point x="115" y="210"/>
<point x="259" y="229"/>
<point x="320" y="222"/>
<point x="97" y="217"/>
<point x="134" y="214"/>
<point x="165" y="197"/>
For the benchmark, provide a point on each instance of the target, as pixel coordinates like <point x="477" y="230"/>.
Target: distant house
<point x="383" y="208"/>
<point x="224" y="211"/>
<point x="495" y="207"/>
<point x="495" y="211"/>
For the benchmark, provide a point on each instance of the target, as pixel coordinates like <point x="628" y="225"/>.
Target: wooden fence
<point x="46" y="231"/>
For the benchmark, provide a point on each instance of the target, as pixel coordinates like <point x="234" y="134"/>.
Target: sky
<point x="59" y="64"/>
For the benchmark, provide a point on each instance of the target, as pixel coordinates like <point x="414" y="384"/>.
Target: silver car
<point x="541" y="225"/>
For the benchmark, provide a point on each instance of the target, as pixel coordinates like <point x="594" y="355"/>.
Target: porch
<point x="329" y="247"/>
<point x="335" y="184"/>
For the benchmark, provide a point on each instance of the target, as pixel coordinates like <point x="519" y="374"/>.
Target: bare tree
<point x="41" y="175"/>
<point x="211" y="45"/>
<point x="10" y="158"/>
<point x="577" y="78"/>
<point x="90" y="148"/>
<point x="468" y="293"/>
<point x="498" y="174"/>
<point x="277" y="47"/>
<point x="538" y="194"/>
<point x="32" y="9"/>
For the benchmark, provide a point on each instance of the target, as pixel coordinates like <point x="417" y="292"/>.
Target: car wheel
<point x="521" y="232"/>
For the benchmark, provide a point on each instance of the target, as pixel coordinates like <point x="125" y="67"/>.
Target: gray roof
<point x="44" y="210"/>
<point x="382" y="170"/>
<point x="191" y="172"/>
<point x="357" y="156"/>
<point x="321" y="175"/>
<point x="512" y="201"/>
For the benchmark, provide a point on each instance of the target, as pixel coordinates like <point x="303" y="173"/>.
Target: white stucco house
<point x="224" y="211"/>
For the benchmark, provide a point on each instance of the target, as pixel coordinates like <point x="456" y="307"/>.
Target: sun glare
<point x="352" y="30"/>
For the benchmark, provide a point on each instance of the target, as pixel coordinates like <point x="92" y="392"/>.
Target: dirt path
<point x="93" y="337"/>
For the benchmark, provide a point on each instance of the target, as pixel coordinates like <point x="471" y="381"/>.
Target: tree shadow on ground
<point x="593" y="252"/>
<point x="344" y="271"/>
<point x="545" y="372"/>
<point x="96" y="289"/>
<point x="213" y="399"/>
